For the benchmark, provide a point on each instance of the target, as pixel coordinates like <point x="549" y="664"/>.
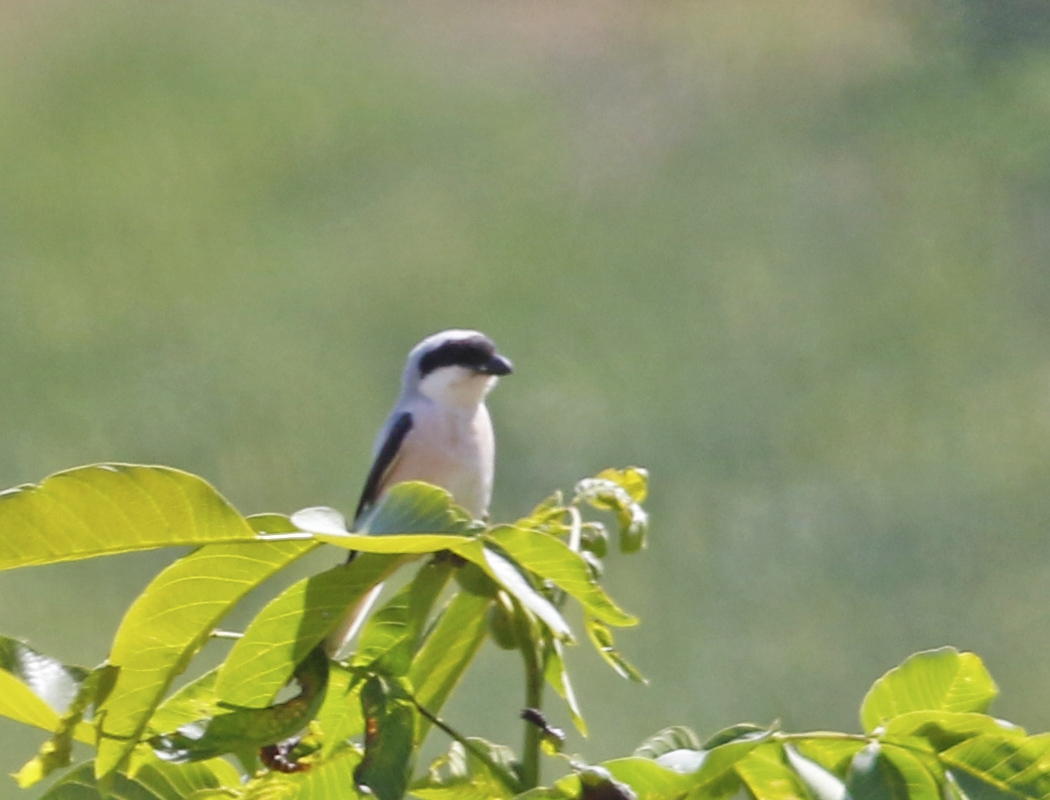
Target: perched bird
<point x="439" y="431"/>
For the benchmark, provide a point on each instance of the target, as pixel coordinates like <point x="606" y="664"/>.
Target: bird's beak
<point x="497" y="365"/>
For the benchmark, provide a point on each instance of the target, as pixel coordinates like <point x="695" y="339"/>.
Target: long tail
<point x="352" y="622"/>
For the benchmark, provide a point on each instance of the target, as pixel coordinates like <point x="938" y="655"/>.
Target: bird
<point x="438" y="431"/>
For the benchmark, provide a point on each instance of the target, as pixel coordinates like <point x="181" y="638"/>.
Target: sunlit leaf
<point x="339" y="717"/>
<point x="934" y="680"/>
<point x="557" y="676"/>
<point x="112" y="508"/>
<point x="676" y="737"/>
<point x="461" y="774"/>
<point x="767" y="774"/>
<point x="508" y="576"/>
<point x="1020" y="767"/>
<point x="168" y="623"/>
<point x="604" y="493"/>
<point x="635" y="480"/>
<point x="156" y="781"/>
<point x="822" y="780"/>
<point x="550" y="558"/>
<point x="415" y="507"/>
<point x="56" y="752"/>
<point x="602" y="639"/>
<point x="291" y="625"/>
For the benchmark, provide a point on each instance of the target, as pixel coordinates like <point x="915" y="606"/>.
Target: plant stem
<point x="530" y="762"/>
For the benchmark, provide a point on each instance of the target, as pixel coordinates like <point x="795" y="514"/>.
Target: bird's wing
<point x="384" y="460"/>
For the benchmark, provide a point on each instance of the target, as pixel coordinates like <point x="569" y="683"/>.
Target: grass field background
<point x="793" y="257"/>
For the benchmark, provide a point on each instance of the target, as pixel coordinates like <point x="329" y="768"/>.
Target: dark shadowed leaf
<point x="872" y="776"/>
<point x="245" y="730"/>
<point x="389" y="732"/>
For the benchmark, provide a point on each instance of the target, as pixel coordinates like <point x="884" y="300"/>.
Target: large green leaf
<point x="551" y="559"/>
<point x="945" y="729"/>
<point x="767" y="774"/>
<point x="448" y="650"/>
<point x="919" y="782"/>
<point x="935" y="680"/>
<point x="168" y="623"/>
<point x="291" y="625"/>
<point x="509" y="576"/>
<point x="393" y="633"/>
<point x="155" y="781"/>
<point x="1017" y="767"/>
<point x="112" y="508"/>
<point x="245" y="730"/>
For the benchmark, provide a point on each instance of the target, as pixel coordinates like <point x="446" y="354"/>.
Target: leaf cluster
<point x="302" y="725"/>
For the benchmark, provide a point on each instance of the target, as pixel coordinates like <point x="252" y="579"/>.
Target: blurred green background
<point x="793" y="257"/>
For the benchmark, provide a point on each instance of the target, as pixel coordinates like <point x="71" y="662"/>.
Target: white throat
<point x="457" y="387"/>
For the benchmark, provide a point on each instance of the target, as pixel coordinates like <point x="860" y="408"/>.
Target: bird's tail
<point x="352" y="622"/>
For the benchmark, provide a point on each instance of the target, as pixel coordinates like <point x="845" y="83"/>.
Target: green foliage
<point x="355" y="728"/>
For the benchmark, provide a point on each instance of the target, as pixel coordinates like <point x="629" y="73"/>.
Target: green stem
<point x="530" y="645"/>
<point x="496" y="769"/>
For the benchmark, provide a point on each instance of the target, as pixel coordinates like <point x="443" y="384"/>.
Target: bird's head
<point x="455" y="367"/>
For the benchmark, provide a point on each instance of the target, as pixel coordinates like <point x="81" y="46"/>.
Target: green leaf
<point x="447" y="652"/>
<point x="36" y="689"/>
<point x="392" y="634"/>
<point x="919" y="782"/>
<point x="340" y="716"/>
<point x="291" y="625"/>
<point x="821" y="780"/>
<point x="830" y="753"/>
<point x="509" y="576"/>
<point x="551" y="559"/>
<point x="155" y="781"/>
<point x="609" y="494"/>
<point x="872" y="776"/>
<point x="602" y="639"/>
<point x="1018" y="767"/>
<point x="389" y="732"/>
<point x="56" y="752"/>
<point x="112" y="508"/>
<point x="461" y="775"/>
<point x="935" y="680"/>
<point x="245" y="730"/>
<point x="767" y="774"/>
<point x="676" y="737"/>
<point x="168" y="623"/>
<point x="634" y="480"/>
<point x="557" y="676"/>
<point x="196" y="700"/>
<point x="945" y="729"/>
<point x="646" y="778"/>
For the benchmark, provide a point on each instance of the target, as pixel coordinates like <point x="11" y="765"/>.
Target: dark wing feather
<point x="384" y="459"/>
